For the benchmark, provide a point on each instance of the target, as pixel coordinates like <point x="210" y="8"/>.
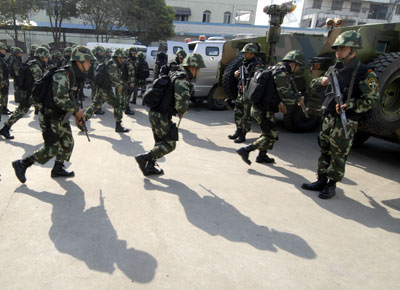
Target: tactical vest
<point x="4" y="67"/>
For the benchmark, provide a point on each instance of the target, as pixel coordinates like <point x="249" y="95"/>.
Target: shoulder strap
<point x="353" y="78"/>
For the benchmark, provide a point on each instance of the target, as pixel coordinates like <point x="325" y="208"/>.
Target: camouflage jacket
<point x="182" y="89"/>
<point x="283" y="83"/>
<point x="174" y="65"/>
<point x="113" y="69"/>
<point x="62" y="84"/>
<point x="364" y="94"/>
<point x="37" y="69"/>
<point x="130" y="65"/>
<point x="250" y="67"/>
<point x="15" y="64"/>
<point x="4" y="81"/>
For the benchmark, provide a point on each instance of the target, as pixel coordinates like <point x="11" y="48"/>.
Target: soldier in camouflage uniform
<point x="175" y="64"/>
<point x="15" y="63"/>
<point x="140" y="83"/>
<point x="32" y="50"/>
<point x="164" y="130"/>
<point x="265" y="117"/>
<point x="242" y="110"/>
<point x="67" y="56"/>
<point x="334" y="145"/>
<point x="57" y="58"/>
<point x="37" y="67"/>
<point x="99" y="52"/>
<point x="108" y="53"/>
<point x="161" y="60"/>
<point x="54" y="121"/>
<point x="106" y="92"/>
<point x="128" y="78"/>
<point x="4" y="81"/>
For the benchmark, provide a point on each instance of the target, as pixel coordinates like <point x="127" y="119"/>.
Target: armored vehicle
<point x="380" y="50"/>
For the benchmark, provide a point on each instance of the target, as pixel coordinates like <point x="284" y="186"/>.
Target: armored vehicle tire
<point x="385" y="116"/>
<point x="196" y="100"/>
<point x="215" y="104"/>
<point x="360" y="138"/>
<point x="295" y="120"/>
<point x="229" y="82"/>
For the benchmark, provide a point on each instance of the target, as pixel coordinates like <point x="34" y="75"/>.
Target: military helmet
<point x="295" y="56"/>
<point x="194" y="60"/>
<point x="119" y="52"/>
<point x="42" y="52"/>
<point x="33" y="47"/>
<point x="82" y="53"/>
<point x="140" y="54"/>
<point x="46" y="46"/>
<point x="67" y="50"/>
<point x="109" y="50"/>
<point x="181" y="53"/>
<point x="2" y="46"/>
<point x="133" y="50"/>
<point x="250" y="47"/>
<point x="349" y="38"/>
<point x="99" y="49"/>
<point x="57" y="53"/>
<point x="16" y="50"/>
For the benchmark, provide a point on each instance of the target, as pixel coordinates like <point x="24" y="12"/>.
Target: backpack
<point x="42" y="92"/>
<point x="141" y="69"/>
<point x="24" y="80"/>
<point x="160" y="95"/>
<point x="262" y="89"/>
<point x="101" y="77"/>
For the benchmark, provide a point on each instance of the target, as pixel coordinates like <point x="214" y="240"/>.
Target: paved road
<point x="211" y="222"/>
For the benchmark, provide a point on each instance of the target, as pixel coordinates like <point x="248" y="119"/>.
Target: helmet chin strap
<point x="353" y="49"/>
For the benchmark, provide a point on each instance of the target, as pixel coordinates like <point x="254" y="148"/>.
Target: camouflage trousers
<point x="94" y="90"/>
<point x="58" y="140"/>
<point x="242" y="113"/>
<point x="19" y="95"/>
<point x="126" y="95"/>
<point x="110" y="97"/>
<point x="161" y="125"/>
<point x="21" y="111"/>
<point x="334" y="146"/>
<point x="4" y="97"/>
<point x="139" y="84"/>
<point x="269" y="129"/>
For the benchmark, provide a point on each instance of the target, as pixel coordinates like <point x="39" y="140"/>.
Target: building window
<point x="397" y="10"/>
<point x="243" y="16"/>
<point x="181" y="17"/>
<point x="355" y="7"/>
<point x="337" y="5"/>
<point x="227" y="17"/>
<point x="317" y="4"/>
<point x="206" y="16"/>
<point x="377" y="11"/>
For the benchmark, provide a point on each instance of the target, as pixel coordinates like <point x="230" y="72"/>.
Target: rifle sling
<point x="353" y="78"/>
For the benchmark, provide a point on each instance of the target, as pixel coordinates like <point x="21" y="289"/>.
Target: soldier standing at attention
<point x="358" y="84"/>
<point x="165" y="131"/>
<point x="265" y="117"/>
<point x="99" y="52"/>
<point x="106" y="93"/>
<point x="4" y="81"/>
<point x="56" y="130"/>
<point x="128" y="78"/>
<point x="251" y="63"/>
<point x="37" y="67"/>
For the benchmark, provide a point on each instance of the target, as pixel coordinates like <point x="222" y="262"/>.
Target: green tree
<point x="14" y="13"/>
<point x="149" y="20"/>
<point x="102" y="15"/>
<point x="58" y="11"/>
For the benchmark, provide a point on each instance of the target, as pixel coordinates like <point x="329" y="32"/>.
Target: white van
<point x="151" y="56"/>
<point x="206" y="82"/>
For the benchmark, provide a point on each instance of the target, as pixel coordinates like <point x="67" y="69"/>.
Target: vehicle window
<point x="176" y="48"/>
<point x="212" y="51"/>
<point x="153" y="53"/>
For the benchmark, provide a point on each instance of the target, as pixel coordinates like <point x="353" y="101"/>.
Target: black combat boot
<point x="59" y="171"/>
<point x="263" y="158"/>
<point x="20" y="167"/>
<point x="128" y="111"/>
<point x="120" y="129"/>
<point x="241" y="138"/>
<point x="142" y="160"/>
<point x="5" y="111"/>
<point x="100" y="112"/>
<point x="317" y="185"/>
<point x="235" y="135"/>
<point x="5" y="132"/>
<point x="329" y="190"/>
<point x="244" y="153"/>
<point x="151" y="168"/>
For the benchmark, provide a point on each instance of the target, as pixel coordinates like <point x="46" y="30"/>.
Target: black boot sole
<point x="240" y="140"/>
<point x="324" y="196"/>
<point x="5" y="135"/>
<point x="142" y="164"/>
<point x="244" y="154"/>
<point x="306" y="187"/>
<point x="56" y="175"/>
<point x="17" y="168"/>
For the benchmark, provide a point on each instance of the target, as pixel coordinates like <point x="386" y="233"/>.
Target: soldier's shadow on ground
<point x="124" y="146"/>
<point x="219" y="218"/>
<point x="193" y="140"/>
<point x="375" y="216"/>
<point x="88" y="235"/>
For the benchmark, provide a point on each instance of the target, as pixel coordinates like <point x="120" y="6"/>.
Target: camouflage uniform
<point x="57" y="58"/>
<point x="242" y="109"/>
<point x="37" y="67"/>
<point x="4" y="81"/>
<point x="15" y="63"/>
<point x="139" y="83"/>
<point x="164" y="130"/>
<point x="99" y="53"/>
<point x="57" y="134"/>
<point x="129" y="82"/>
<point x="334" y="145"/>
<point x="266" y="118"/>
<point x="175" y="64"/>
<point x="160" y="61"/>
<point x="67" y="56"/>
<point x="107" y="94"/>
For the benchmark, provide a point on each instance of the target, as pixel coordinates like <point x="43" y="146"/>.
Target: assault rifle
<point x="74" y="92"/>
<point x="337" y="94"/>
<point x="299" y="96"/>
<point x="243" y="77"/>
